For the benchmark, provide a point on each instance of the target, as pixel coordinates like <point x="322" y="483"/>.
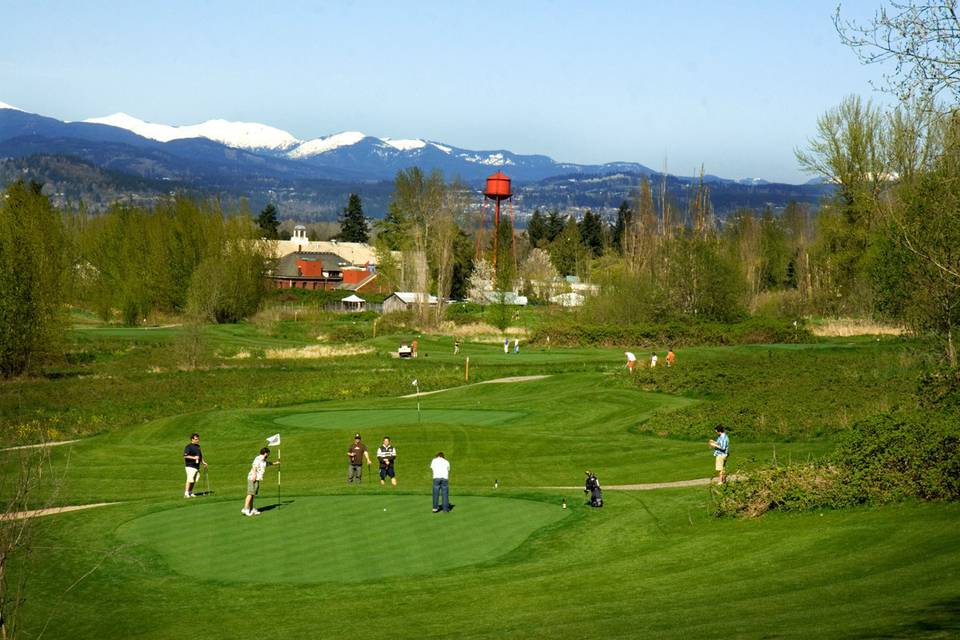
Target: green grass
<point x="336" y="538"/>
<point x="507" y="562"/>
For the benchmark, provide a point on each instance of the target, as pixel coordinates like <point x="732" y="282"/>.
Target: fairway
<point x="336" y="538"/>
<point x="361" y="418"/>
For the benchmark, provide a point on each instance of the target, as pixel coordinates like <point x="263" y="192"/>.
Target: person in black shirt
<point x="192" y="458"/>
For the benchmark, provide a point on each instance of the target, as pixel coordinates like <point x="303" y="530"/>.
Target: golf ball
<point x="384" y="508"/>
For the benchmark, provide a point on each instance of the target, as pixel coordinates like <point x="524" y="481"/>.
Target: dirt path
<point x="36" y="513"/>
<point x="497" y="381"/>
<point x="698" y="482"/>
<point x="42" y="444"/>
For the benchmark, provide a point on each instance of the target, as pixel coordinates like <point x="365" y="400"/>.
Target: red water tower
<point x="498" y="190"/>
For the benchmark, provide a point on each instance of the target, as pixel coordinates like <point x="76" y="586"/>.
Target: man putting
<point x="441" y="478"/>
<point x="387" y="457"/>
<point x="257" y="468"/>
<point x="192" y="459"/>
<point x="721" y="448"/>
<point x="356" y="452"/>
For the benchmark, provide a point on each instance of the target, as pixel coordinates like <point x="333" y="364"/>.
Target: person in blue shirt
<point x="721" y="449"/>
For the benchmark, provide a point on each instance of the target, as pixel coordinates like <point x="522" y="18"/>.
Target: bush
<point x="349" y="333"/>
<point x="882" y="459"/>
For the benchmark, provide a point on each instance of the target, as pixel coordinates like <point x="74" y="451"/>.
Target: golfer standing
<point x="257" y="468"/>
<point x="441" y="478"/>
<point x="192" y="459"/>
<point x="356" y="452"/>
<point x="387" y="457"/>
<point x="721" y="448"/>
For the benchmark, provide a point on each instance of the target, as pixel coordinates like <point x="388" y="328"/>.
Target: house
<point x="352" y="252"/>
<point x="403" y="300"/>
<point x="342" y="265"/>
<point x="308" y="270"/>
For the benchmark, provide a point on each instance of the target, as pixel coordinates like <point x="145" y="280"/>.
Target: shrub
<point x="882" y="459"/>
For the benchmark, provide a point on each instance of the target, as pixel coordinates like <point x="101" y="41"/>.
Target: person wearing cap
<point x="387" y="457"/>
<point x="356" y="452"/>
<point x="192" y="459"/>
<point x="441" y="478"/>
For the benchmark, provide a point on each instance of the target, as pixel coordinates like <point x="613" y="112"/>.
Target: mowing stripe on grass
<point x="337" y="538"/>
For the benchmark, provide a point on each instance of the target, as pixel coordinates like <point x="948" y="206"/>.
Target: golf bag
<point x="592" y="488"/>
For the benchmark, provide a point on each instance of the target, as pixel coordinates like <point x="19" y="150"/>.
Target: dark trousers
<point x="440" y="487"/>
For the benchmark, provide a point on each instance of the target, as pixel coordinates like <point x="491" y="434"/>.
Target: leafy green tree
<point x="229" y="285"/>
<point x="566" y="251"/>
<point x="269" y="222"/>
<point x="33" y="276"/>
<point x="353" y="224"/>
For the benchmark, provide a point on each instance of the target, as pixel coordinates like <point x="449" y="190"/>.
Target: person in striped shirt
<point x="387" y="457"/>
<point x="721" y="448"/>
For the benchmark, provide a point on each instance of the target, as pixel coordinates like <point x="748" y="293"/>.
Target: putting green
<point x="336" y="538"/>
<point x="361" y="418"/>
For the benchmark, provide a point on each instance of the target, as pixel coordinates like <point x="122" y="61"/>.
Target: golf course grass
<point x="389" y="418"/>
<point x="337" y="538"/>
<point x="331" y="560"/>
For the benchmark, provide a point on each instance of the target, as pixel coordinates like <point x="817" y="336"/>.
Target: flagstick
<point x="418" y="404"/>
<point x="278" y="477"/>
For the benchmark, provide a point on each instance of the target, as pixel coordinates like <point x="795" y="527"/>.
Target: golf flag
<point x="274" y="440"/>
<point x="414" y="383"/>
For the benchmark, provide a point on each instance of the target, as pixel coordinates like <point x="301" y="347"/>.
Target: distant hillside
<point x="121" y="157"/>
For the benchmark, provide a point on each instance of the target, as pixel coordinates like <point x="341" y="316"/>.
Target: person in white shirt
<point x="257" y="468"/>
<point x="441" y="477"/>
<point x="653" y="360"/>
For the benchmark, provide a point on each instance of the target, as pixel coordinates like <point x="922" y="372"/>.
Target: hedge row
<point x="655" y="336"/>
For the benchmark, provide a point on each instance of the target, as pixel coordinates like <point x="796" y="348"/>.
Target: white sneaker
<point x="253" y="512"/>
<point x="187" y="495"/>
<point x="244" y="512"/>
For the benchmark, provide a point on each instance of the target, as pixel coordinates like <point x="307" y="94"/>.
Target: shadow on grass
<point x="938" y="620"/>
<point x="275" y="505"/>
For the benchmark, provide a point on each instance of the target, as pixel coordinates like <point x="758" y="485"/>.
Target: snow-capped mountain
<point x="4" y="105"/>
<point x="240" y="135"/>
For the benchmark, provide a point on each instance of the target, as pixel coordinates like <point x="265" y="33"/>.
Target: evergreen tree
<point x="555" y="224"/>
<point x="536" y="228"/>
<point x="268" y="222"/>
<point x="353" y="224"/>
<point x="624" y="221"/>
<point x="591" y="233"/>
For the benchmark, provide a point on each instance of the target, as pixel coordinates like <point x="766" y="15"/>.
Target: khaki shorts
<point x="253" y="487"/>
<point x="721" y="462"/>
<point x="192" y="474"/>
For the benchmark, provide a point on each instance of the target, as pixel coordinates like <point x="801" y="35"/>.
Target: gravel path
<point x="42" y="444"/>
<point x="36" y="513"/>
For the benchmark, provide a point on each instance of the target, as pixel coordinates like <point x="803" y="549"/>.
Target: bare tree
<point x="16" y="530"/>
<point x="920" y="39"/>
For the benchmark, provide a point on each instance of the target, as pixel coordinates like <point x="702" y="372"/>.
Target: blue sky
<point x="735" y="86"/>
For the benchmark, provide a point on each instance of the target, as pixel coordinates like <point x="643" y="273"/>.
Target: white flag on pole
<point x="414" y="383"/>
<point x="274" y="440"/>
